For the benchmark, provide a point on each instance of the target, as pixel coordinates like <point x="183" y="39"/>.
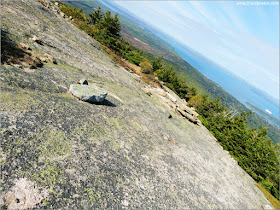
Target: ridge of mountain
<point x="126" y="153"/>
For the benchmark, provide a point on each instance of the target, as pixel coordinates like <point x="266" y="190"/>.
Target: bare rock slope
<point x="122" y="153"/>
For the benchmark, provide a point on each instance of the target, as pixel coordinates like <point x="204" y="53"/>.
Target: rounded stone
<point x="88" y="93"/>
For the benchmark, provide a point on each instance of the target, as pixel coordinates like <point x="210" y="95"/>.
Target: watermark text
<point x="257" y="3"/>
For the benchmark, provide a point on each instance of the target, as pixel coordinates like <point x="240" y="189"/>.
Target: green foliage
<point x="109" y="26"/>
<point x="74" y="12"/>
<point x="108" y="30"/>
<point x="171" y="80"/>
<point x="157" y="64"/>
<point x="89" y="29"/>
<point x="252" y="149"/>
<point x="105" y="28"/>
<point x="95" y="17"/>
<point x="146" y="66"/>
<point x="122" y="47"/>
<point x="134" y="57"/>
<point x="255" y="121"/>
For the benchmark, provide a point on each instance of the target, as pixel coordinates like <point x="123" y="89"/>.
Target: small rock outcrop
<point x="161" y="92"/>
<point x="192" y="118"/>
<point x="37" y="40"/>
<point x="147" y="91"/>
<point x="89" y="93"/>
<point x="83" y="82"/>
<point x="62" y="14"/>
<point x="50" y="59"/>
<point x="266" y="207"/>
<point x="172" y="98"/>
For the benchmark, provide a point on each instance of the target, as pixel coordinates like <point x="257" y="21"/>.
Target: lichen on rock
<point x="126" y="154"/>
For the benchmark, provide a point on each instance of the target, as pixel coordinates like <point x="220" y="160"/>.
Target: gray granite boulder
<point x="88" y="93"/>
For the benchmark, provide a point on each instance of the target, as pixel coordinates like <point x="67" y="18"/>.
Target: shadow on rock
<point x="104" y="103"/>
<point x="10" y="52"/>
<point x="13" y="53"/>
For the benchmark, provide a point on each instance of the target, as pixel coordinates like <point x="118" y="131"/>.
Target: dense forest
<point x="252" y="148"/>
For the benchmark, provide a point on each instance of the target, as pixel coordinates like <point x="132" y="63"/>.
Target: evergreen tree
<point x="110" y="25"/>
<point x="157" y="64"/>
<point x="95" y="17"/>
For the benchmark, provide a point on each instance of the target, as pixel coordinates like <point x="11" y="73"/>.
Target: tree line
<point x="106" y="29"/>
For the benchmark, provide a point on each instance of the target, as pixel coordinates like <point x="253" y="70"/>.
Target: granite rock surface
<point x="122" y="154"/>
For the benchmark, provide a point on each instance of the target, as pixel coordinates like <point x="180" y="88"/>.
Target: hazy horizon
<point x="243" y="39"/>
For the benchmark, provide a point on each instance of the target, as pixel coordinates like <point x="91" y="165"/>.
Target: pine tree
<point x="95" y="17"/>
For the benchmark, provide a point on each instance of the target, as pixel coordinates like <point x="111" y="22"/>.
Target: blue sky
<point x="242" y="39"/>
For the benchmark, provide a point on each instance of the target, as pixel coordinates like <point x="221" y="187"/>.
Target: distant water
<point x="239" y="89"/>
<point x="236" y="87"/>
<point x="264" y="116"/>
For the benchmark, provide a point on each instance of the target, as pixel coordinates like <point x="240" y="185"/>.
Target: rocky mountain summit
<point x="123" y="153"/>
